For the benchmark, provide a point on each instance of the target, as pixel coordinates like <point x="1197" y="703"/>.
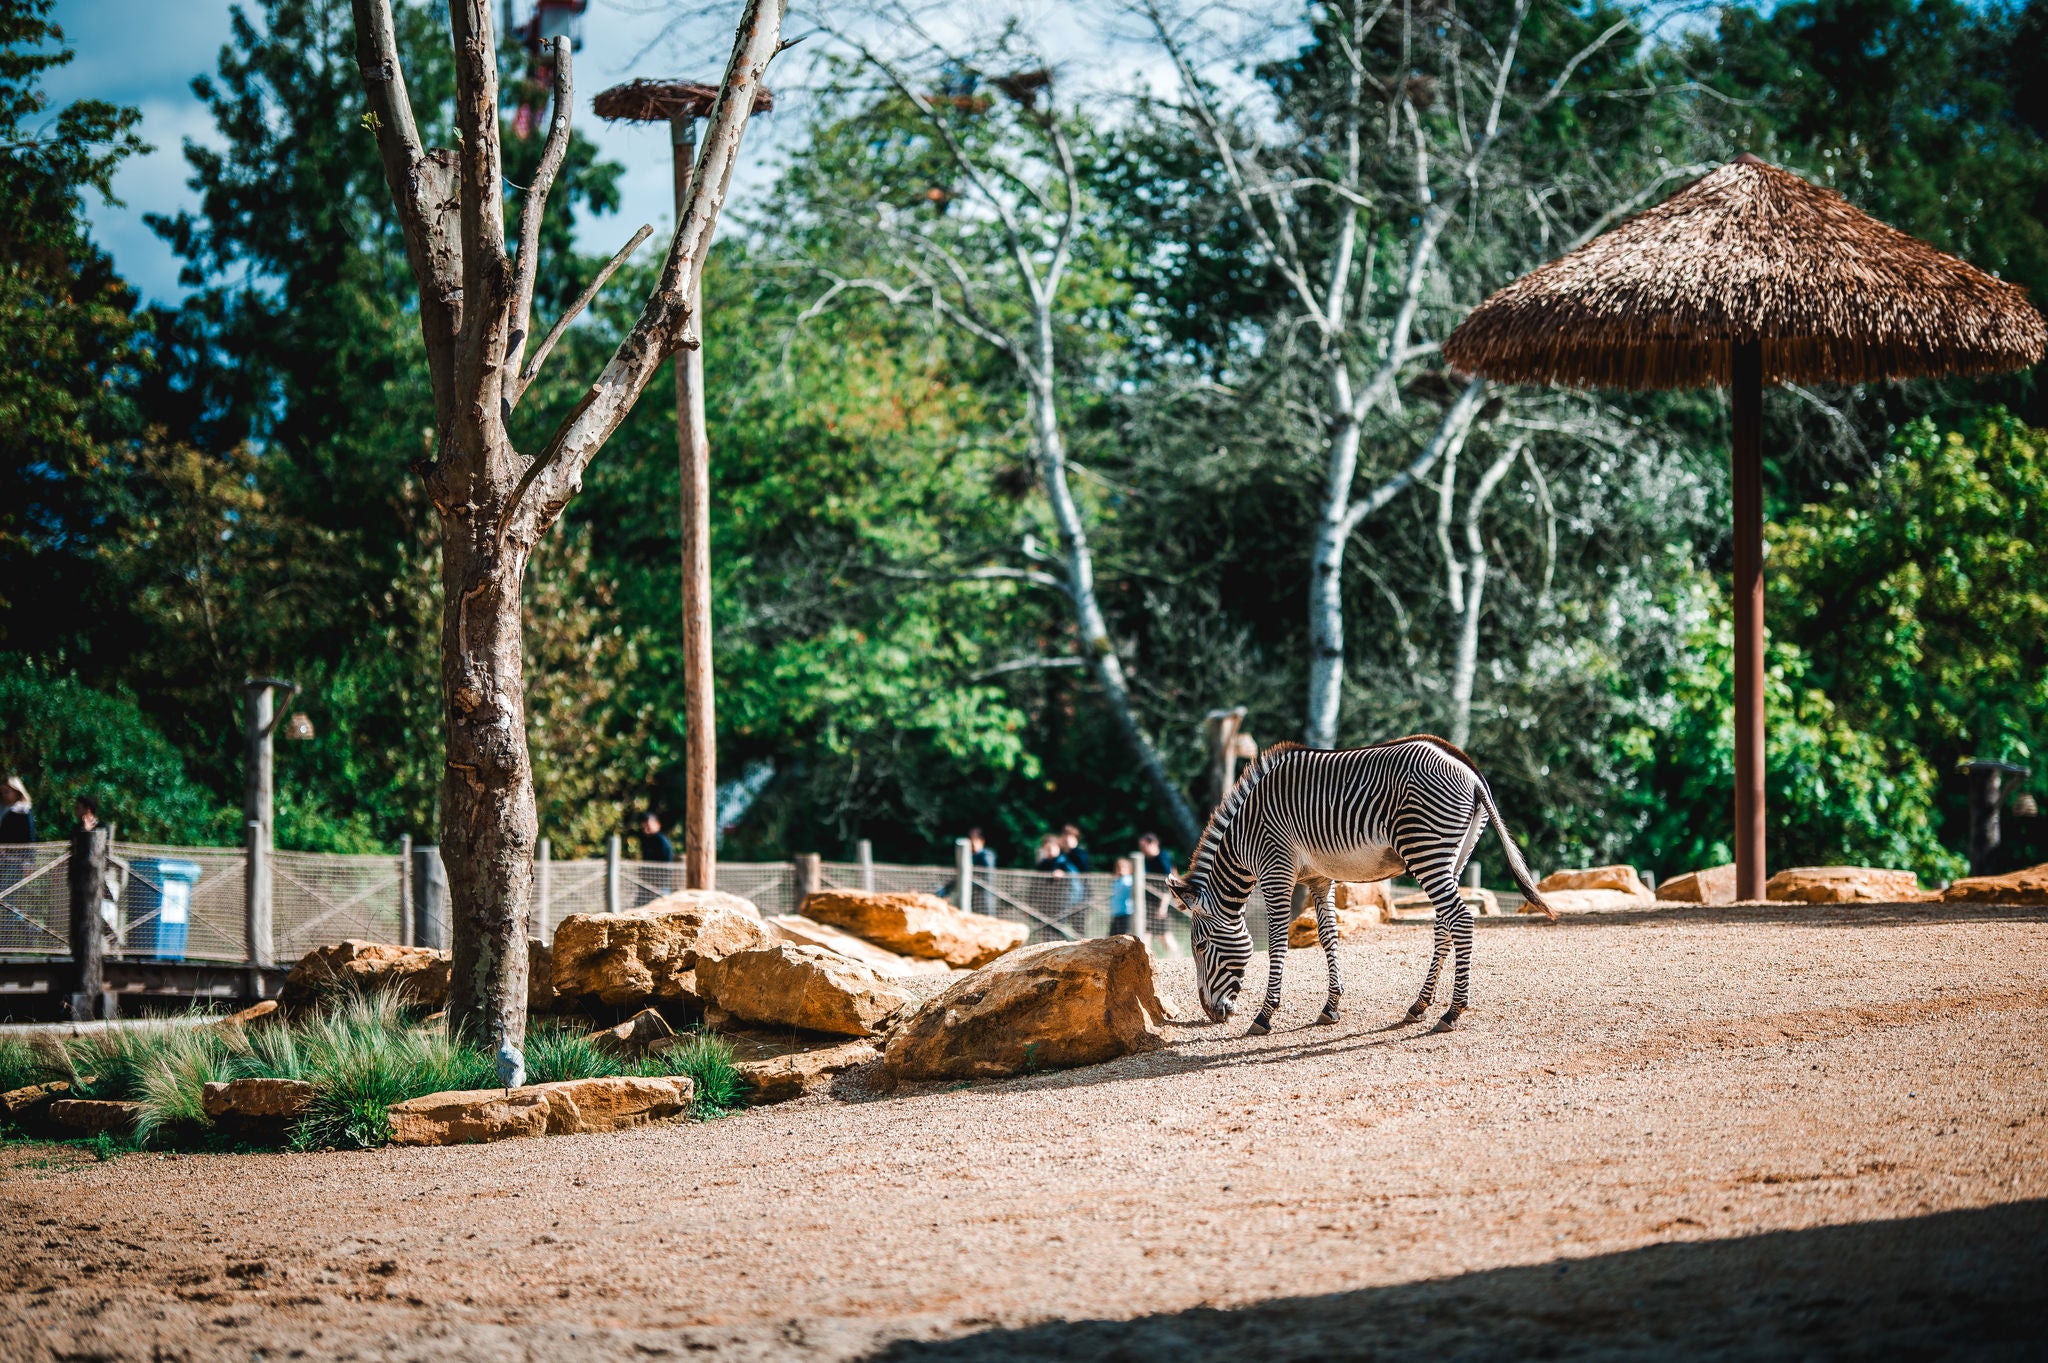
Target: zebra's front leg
<point x="1278" y="892"/>
<point x="1326" y="933"/>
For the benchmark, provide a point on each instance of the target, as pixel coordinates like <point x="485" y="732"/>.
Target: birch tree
<point x="1402" y="132"/>
<point x="1024" y="187"/>
<point x="493" y="501"/>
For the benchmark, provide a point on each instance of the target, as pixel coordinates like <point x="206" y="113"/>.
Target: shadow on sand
<point x="1967" y="1284"/>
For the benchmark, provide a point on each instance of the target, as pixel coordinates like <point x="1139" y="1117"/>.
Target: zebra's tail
<point x="1525" y="879"/>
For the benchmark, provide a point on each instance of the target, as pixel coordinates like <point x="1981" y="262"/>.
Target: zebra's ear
<point x="1189" y="900"/>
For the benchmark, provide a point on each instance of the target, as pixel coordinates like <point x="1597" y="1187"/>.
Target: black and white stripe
<point x="1317" y="817"/>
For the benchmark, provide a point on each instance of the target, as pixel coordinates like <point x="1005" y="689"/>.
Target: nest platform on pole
<point x="1748" y="276"/>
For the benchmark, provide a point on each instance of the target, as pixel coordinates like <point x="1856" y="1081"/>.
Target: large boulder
<point x="2016" y="887"/>
<point x="783" y="985"/>
<point x="93" y="1117"/>
<point x="1591" y="901"/>
<point x="779" y="1078"/>
<point x="1715" y="885"/>
<point x="917" y="925"/>
<point x="1842" y="885"/>
<point x="808" y="932"/>
<point x="646" y="1030"/>
<point x="1354" y="919"/>
<point x="699" y="899"/>
<point x="1420" y="908"/>
<point x="625" y="958"/>
<point x="1374" y="898"/>
<point x="1621" y="880"/>
<point x="419" y="974"/>
<point x="572" y="1107"/>
<point x="267" y="1098"/>
<point x="1045" y="1007"/>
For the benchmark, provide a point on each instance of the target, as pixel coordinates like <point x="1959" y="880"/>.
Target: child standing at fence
<point x="1120" y="898"/>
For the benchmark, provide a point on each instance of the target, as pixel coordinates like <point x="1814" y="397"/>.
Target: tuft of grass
<point x="555" y="1051"/>
<point x="22" y="1063"/>
<point x="707" y="1059"/>
<point x="361" y="1058"/>
<point x="174" y="1076"/>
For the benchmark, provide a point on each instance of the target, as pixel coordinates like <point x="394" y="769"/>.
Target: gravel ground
<point x="1782" y="1132"/>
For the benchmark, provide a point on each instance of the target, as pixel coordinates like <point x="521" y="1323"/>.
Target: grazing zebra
<point x="1301" y="814"/>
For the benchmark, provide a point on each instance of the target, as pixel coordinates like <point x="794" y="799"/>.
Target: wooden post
<point x="864" y="853"/>
<point x="1747" y="402"/>
<point x="611" y="874"/>
<point x="810" y="877"/>
<point x="1140" y="910"/>
<point x="405" y="890"/>
<point x="545" y="875"/>
<point x="693" y="450"/>
<point x="963" y="872"/>
<point x="88" y="876"/>
<point x="1987" y="794"/>
<point x="259" y="722"/>
<point x="429" y="899"/>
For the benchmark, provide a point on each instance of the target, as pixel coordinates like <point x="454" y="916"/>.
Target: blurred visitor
<point x="982" y="857"/>
<point x="87" y="809"/>
<point x="1053" y="857"/>
<point x="654" y="844"/>
<point x="18" y="821"/>
<point x="1158" y="860"/>
<point x="1120" y="898"/>
<point x="1071" y="848"/>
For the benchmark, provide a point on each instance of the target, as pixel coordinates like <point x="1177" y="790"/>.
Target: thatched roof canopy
<point x="658" y="101"/>
<point x="1748" y="253"/>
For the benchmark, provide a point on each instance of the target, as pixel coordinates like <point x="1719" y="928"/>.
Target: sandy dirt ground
<point x="1746" y="1133"/>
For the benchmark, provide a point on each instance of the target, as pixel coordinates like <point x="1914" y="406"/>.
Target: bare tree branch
<point x="583" y="300"/>
<point x="532" y="208"/>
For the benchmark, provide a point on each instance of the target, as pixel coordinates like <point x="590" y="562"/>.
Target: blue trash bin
<point x="163" y="888"/>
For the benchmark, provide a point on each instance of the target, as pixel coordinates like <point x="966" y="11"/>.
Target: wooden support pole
<point x="1140" y="910"/>
<point x="88" y="877"/>
<point x="544" y="874"/>
<point x="963" y="872"/>
<point x="810" y="877"/>
<point x="405" y="928"/>
<point x="693" y="450"/>
<point x="1747" y="395"/>
<point x="612" y="898"/>
<point x="864" y="853"/>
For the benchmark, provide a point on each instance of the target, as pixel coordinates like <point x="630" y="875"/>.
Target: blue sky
<point x="145" y="53"/>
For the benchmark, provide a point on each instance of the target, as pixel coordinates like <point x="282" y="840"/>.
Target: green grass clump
<point x="362" y="1057"/>
<point x="707" y="1059"/>
<point x="22" y="1063"/>
<point x="556" y="1051"/>
<point x="173" y="1077"/>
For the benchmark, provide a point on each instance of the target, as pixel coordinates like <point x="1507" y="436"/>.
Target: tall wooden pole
<point x="1747" y="397"/>
<point x="693" y="449"/>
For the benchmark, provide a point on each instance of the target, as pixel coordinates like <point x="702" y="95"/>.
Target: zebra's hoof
<point x="1261" y="1026"/>
<point x="1449" y="1019"/>
<point x="1420" y="1007"/>
<point x="1326" y="1017"/>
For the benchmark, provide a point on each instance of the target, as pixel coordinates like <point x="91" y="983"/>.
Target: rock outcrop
<point x="419" y="974"/>
<point x="2017" y="887"/>
<point x="783" y="985"/>
<point x="644" y="1031"/>
<point x="625" y="958"/>
<point x="921" y="925"/>
<point x="270" y="1099"/>
<point x="93" y="1117"/>
<point x="808" y="932"/>
<point x="1050" y="1006"/>
<point x="1593" y="901"/>
<point x="1843" y="885"/>
<point x="1411" y="908"/>
<point x="1621" y="880"/>
<point x="1715" y="885"/>
<point x="1351" y="923"/>
<point x="783" y="1077"/>
<point x="677" y="900"/>
<point x="30" y="1106"/>
<point x="572" y="1107"/>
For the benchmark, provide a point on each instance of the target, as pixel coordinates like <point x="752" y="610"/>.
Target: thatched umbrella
<point x="680" y="104"/>
<point x="1748" y="276"/>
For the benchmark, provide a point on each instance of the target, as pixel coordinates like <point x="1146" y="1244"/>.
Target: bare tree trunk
<point x="1473" y="592"/>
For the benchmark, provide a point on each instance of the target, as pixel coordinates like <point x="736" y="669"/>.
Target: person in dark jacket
<point x="654" y="844"/>
<point x="1158" y="862"/>
<point x="18" y="820"/>
<point x="1076" y="854"/>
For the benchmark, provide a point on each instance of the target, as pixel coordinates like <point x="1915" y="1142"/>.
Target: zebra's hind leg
<point x="1326" y="933"/>
<point x="1436" y="965"/>
<point x="1277" y="889"/>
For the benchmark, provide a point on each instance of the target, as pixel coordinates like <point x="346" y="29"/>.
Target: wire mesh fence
<point x="35" y="899"/>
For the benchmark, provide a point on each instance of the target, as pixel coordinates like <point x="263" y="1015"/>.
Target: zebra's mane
<point x="1233" y="804"/>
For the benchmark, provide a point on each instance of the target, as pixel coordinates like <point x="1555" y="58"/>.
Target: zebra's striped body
<point x="1318" y="817"/>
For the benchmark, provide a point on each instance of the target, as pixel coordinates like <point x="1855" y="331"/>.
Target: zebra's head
<point x="1223" y="947"/>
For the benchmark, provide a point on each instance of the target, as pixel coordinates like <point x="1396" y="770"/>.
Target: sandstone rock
<point x="1412" y="908"/>
<point x="626" y="958"/>
<point x="92" y="1117"/>
<point x="639" y="1033"/>
<point x="1593" y="901"/>
<point x="1621" y="880"/>
<point x="420" y="974"/>
<point x="261" y="1011"/>
<point x="807" y="932"/>
<point x="1842" y="885"/>
<point x="262" y="1098"/>
<point x="18" y="1106"/>
<point x="1715" y="885"/>
<point x="1374" y="898"/>
<point x="917" y="925"/>
<point x="572" y="1107"/>
<point x="540" y="977"/>
<point x="1351" y="923"/>
<point x="1045" y="1007"/>
<point x="2016" y="887"/>
<point x="677" y="900"/>
<point x="782" y="1077"/>
<point x="794" y="986"/>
